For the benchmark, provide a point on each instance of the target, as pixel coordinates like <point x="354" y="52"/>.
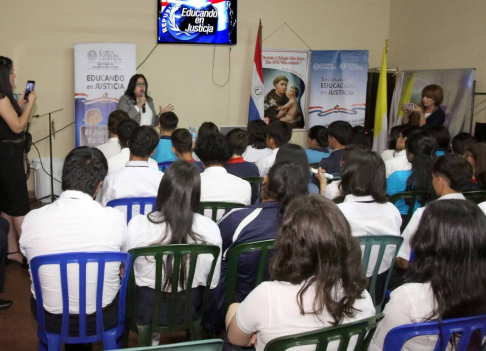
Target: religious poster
<point x="102" y="73"/>
<point x="338" y="82"/>
<point x="285" y="75"/>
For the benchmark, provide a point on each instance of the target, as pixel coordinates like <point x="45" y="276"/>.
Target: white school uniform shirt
<point x="412" y="226"/>
<point x="482" y="206"/>
<point x="74" y="223"/>
<point x="409" y="303"/>
<point x="253" y="155"/>
<point x="398" y="163"/>
<point x="218" y="185"/>
<point x="142" y="232"/>
<point x="120" y="160"/>
<point x="372" y="218"/>
<point x="271" y="311"/>
<point x="136" y="179"/>
<point x="111" y="148"/>
<point x="387" y="154"/>
<point x="332" y="190"/>
<point x="265" y="163"/>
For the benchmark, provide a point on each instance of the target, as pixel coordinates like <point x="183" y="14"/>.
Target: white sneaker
<point x="155" y="339"/>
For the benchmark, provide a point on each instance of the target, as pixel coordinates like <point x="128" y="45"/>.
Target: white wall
<point x="39" y="37"/>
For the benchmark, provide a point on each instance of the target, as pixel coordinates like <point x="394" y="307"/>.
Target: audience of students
<point x="253" y="223"/>
<point x="125" y="130"/>
<point x="340" y="134"/>
<point x="309" y="290"/>
<point x="475" y="154"/>
<point x="392" y="143"/>
<point x="167" y="124"/>
<point x="238" y="142"/>
<point x="175" y="221"/>
<point x="76" y="223"/>
<point x="216" y="183"/>
<point x="318" y="144"/>
<point x="278" y="134"/>
<point x="450" y="175"/>
<point x="136" y="179"/>
<point x="182" y="146"/>
<point x="112" y="147"/>
<point x="446" y="277"/>
<point x="257" y="143"/>
<point x="399" y="161"/>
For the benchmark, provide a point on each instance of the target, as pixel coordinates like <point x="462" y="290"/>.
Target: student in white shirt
<point x="112" y="147"/>
<point x="400" y="161"/>
<point x="257" y="146"/>
<point x="392" y="143"/>
<point x="174" y="221"/>
<point x="125" y="130"/>
<point x="136" y="179"/>
<point x="450" y="175"/>
<point x="307" y="288"/>
<point x="216" y="183"/>
<point x="76" y="223"/>
<point x="447" y="277"/>
<point x="363" y="186"/>
<point x="278" y="134"/>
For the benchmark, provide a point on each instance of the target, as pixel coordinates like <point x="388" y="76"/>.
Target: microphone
<point x="143" y="106"/>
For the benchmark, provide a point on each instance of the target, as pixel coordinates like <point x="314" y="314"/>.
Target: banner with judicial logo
<point x="338" y="82"/>
<point x="101" y="75"/>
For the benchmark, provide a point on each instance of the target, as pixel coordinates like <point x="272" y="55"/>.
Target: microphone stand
<point x="52" y="196"/>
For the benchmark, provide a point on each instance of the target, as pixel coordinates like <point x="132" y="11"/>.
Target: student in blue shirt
<point x="318" y="144"/>
<point x="421" y="147"/>
<point x="167" y="123"/>
<point x="253" y="223"/>
<point x="182" y="147"/>
<point x="443" y="138"/>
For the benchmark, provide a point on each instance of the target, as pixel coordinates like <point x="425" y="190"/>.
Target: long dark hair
<point x="296" y="154"/>
<point x="449" y="248"/>
<point x="284" y="184"/>
<point x="315" y="247"/>
<point x="478" y="152"/>
<point x="257" y="135"/>
<point x="6" y="88"/>
<point x="132" y="84"/>
<point x="421" y="148"/>
<point x="363" y="173"/>
<point x="177" y="201"/>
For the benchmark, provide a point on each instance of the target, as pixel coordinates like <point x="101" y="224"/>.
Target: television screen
<point x="197" y="21"/>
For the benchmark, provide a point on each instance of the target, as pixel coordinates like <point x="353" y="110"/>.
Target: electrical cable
<point x="229" y="67"/>
<point x="150" y="53"/>
<point x="40" y="160"/>
<point x="57" y="131"/>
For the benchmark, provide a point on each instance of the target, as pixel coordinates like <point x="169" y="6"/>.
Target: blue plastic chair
<point x="164" y="165"/>
<point x="397" y="337"/>
<point x="129" y="202"/>
<point x="111" y="338"/>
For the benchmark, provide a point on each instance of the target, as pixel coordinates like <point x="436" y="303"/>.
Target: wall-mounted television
<point x="197" y="21"/>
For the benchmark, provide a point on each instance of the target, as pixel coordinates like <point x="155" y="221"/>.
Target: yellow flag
<point x="380" y="134"/>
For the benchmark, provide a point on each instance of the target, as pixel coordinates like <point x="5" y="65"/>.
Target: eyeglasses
<point x="141" y="85"/>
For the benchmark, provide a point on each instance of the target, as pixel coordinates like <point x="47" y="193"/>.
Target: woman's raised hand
<point x="168" y="108"/>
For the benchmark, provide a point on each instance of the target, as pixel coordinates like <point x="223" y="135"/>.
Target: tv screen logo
<point x="196" y="21"/>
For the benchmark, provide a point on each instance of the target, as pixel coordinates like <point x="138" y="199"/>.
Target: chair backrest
<point x="336" y="176"/>
<point x="164" y="165"/>
<point x="232" y="271"/>
<point x="464" y="327"/>
<point x="179" y="253"/>
<point x="200" y="345"/>
<point x="204" y="207"/>
<point x="363" y="329"/>
<point x="475" y="196"/>
<point x="129" y="202"/>
<point x="381" y="242"/>
<point x="81" y="259"/>
<point x="255" y="183"/>
<point x="411" y="198"/>
<point x="314" y="165"/>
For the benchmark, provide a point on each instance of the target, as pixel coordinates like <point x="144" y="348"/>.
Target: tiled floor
<point x="18" y="329"/>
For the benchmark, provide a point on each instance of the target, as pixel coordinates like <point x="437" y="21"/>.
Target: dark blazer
<point x="437" y="118"/>
<point x="127" y="104"/>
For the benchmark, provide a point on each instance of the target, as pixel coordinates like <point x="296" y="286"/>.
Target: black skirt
<point x="14" y="198"/>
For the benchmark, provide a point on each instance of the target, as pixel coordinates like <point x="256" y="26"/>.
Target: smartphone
<point x="29" y="88"/>
<point x="409" y="106"/>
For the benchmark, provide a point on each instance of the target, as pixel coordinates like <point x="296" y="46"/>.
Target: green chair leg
<point x="144" y="335"/>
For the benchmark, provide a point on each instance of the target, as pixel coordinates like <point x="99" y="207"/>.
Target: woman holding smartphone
<point x="431" y="114"/>
<point x="14" y="115"/>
